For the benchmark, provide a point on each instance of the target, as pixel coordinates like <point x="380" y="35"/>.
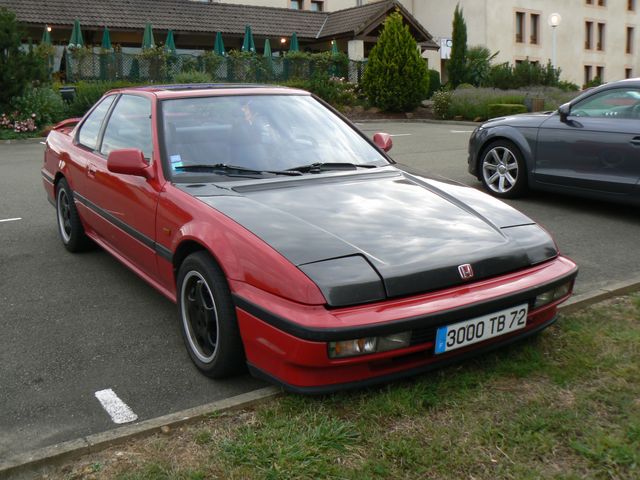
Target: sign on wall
<point x="445" y="48"/>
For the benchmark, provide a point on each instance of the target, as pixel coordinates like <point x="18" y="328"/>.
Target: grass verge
<point x="11" y="135"/>
<point x="565" y="405"/>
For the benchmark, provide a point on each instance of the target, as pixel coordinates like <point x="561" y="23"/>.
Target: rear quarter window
<point x="90" y="129"/>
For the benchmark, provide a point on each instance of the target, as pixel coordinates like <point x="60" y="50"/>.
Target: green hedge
<point x="88" y="93"/>
<point x="434" y="82"/>
<point x="503" y="109"/>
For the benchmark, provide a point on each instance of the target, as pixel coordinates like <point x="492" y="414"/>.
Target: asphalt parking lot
<point x="72" y="325"/>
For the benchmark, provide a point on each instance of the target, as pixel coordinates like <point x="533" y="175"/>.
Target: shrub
<point x="595" y="82"/>
<point x="434" y="82"/>
<point x="211" y="61"/>
<point x="17" y="122"/>
<point x="478" y="65"/>
<point x="18" y="69"/>
<point x="88" y="93"/>
<point x="568" y="86"/>
<point x="335" y="91"/>
<point x="457" y="66"/>
<point x="524" y="74"/>
<point x="192" y="76"/>
<point x="45" y="103"/>
<point x="473" y="103"/>
<point x="501" y="76"/>
<point x="442" y="103"/>
<point x="396" y="77"/>
<point x="503" y="109"/>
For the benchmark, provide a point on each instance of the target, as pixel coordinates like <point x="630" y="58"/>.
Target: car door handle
<point x="91" y="170"/>
<point x="635" y="141"/>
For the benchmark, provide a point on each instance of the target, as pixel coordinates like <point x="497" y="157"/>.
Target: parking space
<point x="74" y="325"/>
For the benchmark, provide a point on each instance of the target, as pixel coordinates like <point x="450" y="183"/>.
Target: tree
<point x="18" y="69"/>
<point x="396" y="76"/>
<point x="478" y="65"/>
<point x="457" y="65"/>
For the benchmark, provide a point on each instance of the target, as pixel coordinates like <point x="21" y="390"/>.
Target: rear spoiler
<point x="69" y="122"/>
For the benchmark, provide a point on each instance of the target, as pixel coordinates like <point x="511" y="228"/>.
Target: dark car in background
<point x="588" y="147"/>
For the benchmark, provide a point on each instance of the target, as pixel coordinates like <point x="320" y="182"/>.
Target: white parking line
<point x="401" y="135"/>
<point x="461" y="131"/>
<point x="11" y="219"/>
<point x="116" y="408"/>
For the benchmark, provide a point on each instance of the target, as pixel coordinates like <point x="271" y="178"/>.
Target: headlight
<point x="552" y="295"/>
<point x="367" y="345"/>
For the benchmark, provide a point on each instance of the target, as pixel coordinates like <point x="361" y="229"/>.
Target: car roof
<point x="212" y="89"/>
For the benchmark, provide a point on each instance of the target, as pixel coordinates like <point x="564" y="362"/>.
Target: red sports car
<point x="291" y="242"/>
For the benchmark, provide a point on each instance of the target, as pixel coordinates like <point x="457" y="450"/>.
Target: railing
<point x="241" y="68"/>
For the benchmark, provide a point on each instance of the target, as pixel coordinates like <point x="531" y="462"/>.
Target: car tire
<point x="503" y="171"/>
<point x="207" y="317"/>
<point x="69" y="225"/>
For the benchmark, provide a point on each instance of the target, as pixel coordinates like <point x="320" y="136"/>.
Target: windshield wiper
<point x="326" y="166"/>
<point x="232" y="168"/>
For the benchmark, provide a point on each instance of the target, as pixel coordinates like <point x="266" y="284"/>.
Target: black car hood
<point x="533" y="120"/>
<point x="383" y="233"/>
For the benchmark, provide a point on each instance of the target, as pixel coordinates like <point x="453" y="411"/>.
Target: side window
<point x="618" y="103"/>
<point x="129" y="126"/>
<point x="90" y="129"/>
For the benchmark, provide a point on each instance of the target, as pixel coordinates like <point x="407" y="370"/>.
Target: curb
<point x="18" y="141"/>
<point x="616" y="289"/>
<point x="28" y="463"/>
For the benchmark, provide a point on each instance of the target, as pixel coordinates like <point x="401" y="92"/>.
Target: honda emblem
<point x="465" y="271"/>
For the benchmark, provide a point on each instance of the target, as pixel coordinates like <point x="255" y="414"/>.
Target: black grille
<point x="423" y="335"/>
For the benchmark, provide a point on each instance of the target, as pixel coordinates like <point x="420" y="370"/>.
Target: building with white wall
<point x="594" y="38"/>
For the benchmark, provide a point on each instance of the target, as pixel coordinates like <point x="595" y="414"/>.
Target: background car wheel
<point x="69" y="224"/>
<point x="503" y="171"/>
<point x="207" y="316"/>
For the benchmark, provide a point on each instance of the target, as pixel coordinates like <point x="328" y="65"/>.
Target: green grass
<point x="6" y="134"/>
<point x="563" y="405"/>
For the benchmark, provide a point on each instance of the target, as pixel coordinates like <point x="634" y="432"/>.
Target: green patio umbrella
<point x="267" y="48"/>
<point x="46" y="40"/>
<point x="268" y="57"/>
<point x="294" y="43"/>
<point x="170" y="44"/>
<point x="147" y="37"/>
<point x="334" y="53"/>
<point x="218" y="47"/>
<point x="106" y="55"/>
<point x="76" y="36"/>
<point x="46" y="36"/>
<point x="248" y="45"/>
<point x="334" y="48"/>
<point x="106" y="39"/>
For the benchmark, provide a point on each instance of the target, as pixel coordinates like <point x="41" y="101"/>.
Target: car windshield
<point x="262" y="133"/>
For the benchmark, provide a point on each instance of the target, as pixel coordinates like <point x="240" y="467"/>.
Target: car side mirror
<point x="383" y="141"/>
<point x="564" y="111"/>
<point x="129" y="161"/>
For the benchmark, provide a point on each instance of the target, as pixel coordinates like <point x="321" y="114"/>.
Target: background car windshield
<point x="261" y="132"/>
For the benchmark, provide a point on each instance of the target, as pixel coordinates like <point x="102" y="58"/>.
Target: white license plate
<point x="482" y="328"/>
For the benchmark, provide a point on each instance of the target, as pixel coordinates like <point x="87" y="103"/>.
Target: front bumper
<point x="287" y="342"/>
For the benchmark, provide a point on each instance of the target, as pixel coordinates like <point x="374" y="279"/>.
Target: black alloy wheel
<point x="69" y="224"/>
<point x="208" y="320"/>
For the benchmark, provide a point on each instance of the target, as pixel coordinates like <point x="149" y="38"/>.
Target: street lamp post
<point x="554" y="20"/>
